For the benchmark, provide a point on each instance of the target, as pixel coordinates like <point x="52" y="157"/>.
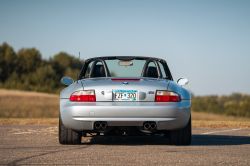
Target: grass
<point x="221" y="124"/>
<point x="29" y="121"/>
<point x="216" y="117"/>
<point x="22" y="104"/>
<point x="25" y="108"/>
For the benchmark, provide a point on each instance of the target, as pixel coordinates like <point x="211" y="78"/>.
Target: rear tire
<point x="68" y="136"/>
<point x="181" y="137"/>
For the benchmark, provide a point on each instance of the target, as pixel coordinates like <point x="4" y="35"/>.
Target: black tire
<point x="181" y="137"/>
<point x="68" y="136"/>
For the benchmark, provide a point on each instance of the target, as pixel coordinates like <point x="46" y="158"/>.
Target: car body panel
<point x="66" y="92"/>
<point x="81" y="116"/>
<point x="106" y="85"/>
<point x="184" y="93"/>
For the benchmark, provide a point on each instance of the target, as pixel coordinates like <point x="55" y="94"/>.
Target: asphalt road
<point x="38" y="145"/>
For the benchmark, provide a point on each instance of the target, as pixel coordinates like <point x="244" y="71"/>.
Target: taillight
<point x="84" y="95"/>
<point x="165" y="96"/>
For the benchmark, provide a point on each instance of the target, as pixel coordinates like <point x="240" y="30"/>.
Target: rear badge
<point x="125" y="83"/>
<point x="151" y="92"/>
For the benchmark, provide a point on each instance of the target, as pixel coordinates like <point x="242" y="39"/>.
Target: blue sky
<point x="206" y="41"/>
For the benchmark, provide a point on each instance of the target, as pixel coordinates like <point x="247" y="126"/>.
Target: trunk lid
<point x="105" y="89"/>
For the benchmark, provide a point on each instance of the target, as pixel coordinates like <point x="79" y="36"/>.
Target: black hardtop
<point x="124" y="58"/>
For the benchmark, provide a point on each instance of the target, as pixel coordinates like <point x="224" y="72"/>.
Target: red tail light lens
<point x="123" y="79"/>
<point x="86" y="95"/>
<point x="165" y="96"/>
<point x="82" y="98"/>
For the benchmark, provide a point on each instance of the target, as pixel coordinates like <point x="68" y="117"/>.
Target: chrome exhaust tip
<point x="100" y="125"/>
<point x="153" y="126"/>
<point x="97" y="125"/>
<point x="147" y="126"/>
<point x="104" y="125"/>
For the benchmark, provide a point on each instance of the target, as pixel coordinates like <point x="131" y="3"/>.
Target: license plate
<point x="125" y="95"/>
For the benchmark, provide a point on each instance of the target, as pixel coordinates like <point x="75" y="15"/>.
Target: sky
<point x="206" y="41"/>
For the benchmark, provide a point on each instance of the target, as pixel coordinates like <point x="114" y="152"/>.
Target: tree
<point x="66" y="65"/>
<point x="28" y="60"/>
<point x="8" y="61"/>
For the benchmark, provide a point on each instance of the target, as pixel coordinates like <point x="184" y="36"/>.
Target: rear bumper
<point x="83" y="115"/>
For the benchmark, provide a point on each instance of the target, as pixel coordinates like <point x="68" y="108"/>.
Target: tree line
<point x="235" y="104"/>
<point x="26" y="70"/>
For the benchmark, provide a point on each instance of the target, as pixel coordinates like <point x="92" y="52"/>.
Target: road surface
<point x="38" y="145"/>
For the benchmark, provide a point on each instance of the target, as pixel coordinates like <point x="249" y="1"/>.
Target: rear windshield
<point x="125" y="71"/>
<point x="135" y="70"/>
<point x="132" y="68"/>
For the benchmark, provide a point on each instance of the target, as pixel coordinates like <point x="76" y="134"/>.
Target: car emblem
<point x="102" y="92"/>
<point x="125" y="83"/>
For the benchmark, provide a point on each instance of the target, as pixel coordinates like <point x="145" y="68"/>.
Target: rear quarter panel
<point x="184" y="93"/>
<point x="66" y="92"/>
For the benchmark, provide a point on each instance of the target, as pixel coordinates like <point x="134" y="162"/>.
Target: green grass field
<point x="21" y="107"/>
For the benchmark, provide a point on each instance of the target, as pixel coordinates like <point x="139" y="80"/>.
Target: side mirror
<point x="182" y="81"/>
<point x="67" y="80"/>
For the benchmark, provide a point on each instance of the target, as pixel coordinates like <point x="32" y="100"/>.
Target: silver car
<point x="125" y="95"/>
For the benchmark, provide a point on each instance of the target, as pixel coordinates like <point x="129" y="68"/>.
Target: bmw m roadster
<point x="125" y="96"/>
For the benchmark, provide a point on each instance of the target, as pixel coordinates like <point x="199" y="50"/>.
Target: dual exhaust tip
<point x="149" y="125"/>
<point x="101" y="125"/>
<point x="104" y="125"/>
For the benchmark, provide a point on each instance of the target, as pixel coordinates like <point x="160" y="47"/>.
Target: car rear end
<point x="125" y="95"/>
<point x="104" y="104"/>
